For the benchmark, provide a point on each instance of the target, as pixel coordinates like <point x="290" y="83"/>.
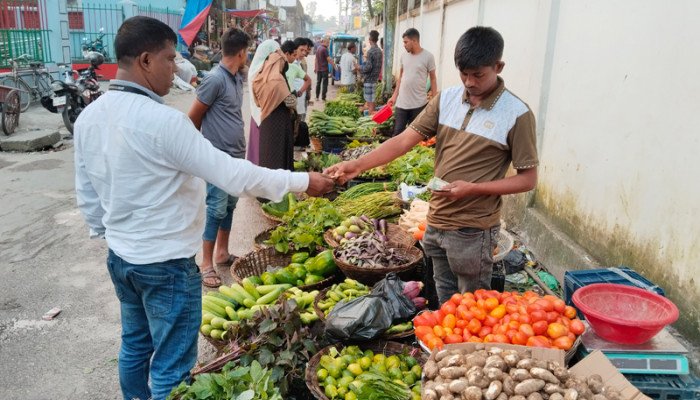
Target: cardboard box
<point x="594" y="363"/>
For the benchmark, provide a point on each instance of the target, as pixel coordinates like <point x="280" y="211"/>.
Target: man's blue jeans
<point x="161" y="311"/>
<point x="220" y="206"/>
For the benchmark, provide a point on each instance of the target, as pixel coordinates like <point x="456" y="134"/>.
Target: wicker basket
<point x="394" y="233"/>
<point x="257" y="262"/>
<point x="504" y="246"/>
<point x="316" y="143"/>
<point x="322" y="317"/>
<point x="386" y="348"/>
<point x="370" y="276"/>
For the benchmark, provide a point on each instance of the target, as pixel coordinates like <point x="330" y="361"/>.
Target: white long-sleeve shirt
<point x="138" y="165"/>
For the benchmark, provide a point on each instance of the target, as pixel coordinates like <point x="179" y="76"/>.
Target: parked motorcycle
<point x="70" y="97"/>
<point x="96" y="45"/>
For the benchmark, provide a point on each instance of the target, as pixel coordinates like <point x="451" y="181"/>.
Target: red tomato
<point x="511" y="334"/>
<point x="564" y="343"/>
<point x="453" y="338"/>
<point x="559" y="306"/>
<point x="490" y="321"/>
<point x="464" y="313"/>
<point x="514" y="325"/>
<point x="466" y="335"/>
<point x="490" y="303"/>
<point x="538" y="341"/>
<point x="576" y="327"/>
<point x="456" y="299"/>
<point x="474" y="326"/>
<point x="569" y="312"/>
<point x="511" y="308"/>
<point x="555" y="330"/>
<point x="525" y="319"/>
<point x="423" y="331"/>
<point x="488" y="338"/>
<point x="430" y="319"/>
<point x="532" y="307"/>
<point x="519" y="338"/>
<point x="439" y="315"/>
<point x="499" y="338"/>
<point x="552" y="316"/>
<point x="448" y="308"/>
<point x="439" y="331"/>
<point x="450" y="321"/>
<point x="457" y="331"/>
<point x="538" y="315"/>
<point x="461" y="323"/>
<point x="540" y="327"/>
<point x="475" y="339"/>
<point x="478" y="313"/>
<point x="527" y="330"/>
<point x="485" y="330"/>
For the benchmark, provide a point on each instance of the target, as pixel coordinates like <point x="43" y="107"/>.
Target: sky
<point x="326" y="8"/>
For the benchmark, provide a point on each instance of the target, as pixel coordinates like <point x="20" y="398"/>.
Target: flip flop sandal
<point x="229" y="262"/>
<point x="209" y="275"/>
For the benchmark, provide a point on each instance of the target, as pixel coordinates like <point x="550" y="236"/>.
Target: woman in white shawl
<point x="264" y="50"/>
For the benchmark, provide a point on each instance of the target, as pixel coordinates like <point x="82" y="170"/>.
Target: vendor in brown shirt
<point x="480" y="129"/>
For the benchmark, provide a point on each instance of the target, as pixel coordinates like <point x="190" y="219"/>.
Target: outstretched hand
<point x="343" y="172"/>
<point x="319" y="184"/>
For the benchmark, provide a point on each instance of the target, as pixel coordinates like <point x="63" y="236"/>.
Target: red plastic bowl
<point x="624" y="314"/>
<point x="383" y="114"/>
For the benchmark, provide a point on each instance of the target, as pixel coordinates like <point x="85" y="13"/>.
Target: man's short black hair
<point x="351" y="45"/>
<point x="288" y="47"/>
<point x="373" y="36"/>
<point x="138" y="35"/>
<point x="233" y="41"/>
<point x="411" y="33"/>
<point x="480" y="46"/>
<point x="300" y="41"/>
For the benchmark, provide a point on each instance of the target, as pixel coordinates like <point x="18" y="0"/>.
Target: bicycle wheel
<point x="44" y="84"/>
<point x="25" y="94"/>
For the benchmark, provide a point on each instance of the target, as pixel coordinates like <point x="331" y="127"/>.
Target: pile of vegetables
<point x="354" y="97"/>
<point x="303" y="270"/>
<point x="354" y="227"/>
<point x="414" y="219"/>
<point x="347" y="290"/>
<point x="281" y="208"/>
<point x="304" y="225"/>
<point x="305" y="301"/>
<point x="498" y="374"/>
<point x="317" y="162"/>
<point x="374" y="205"/>
<point x="363" y="189"/>
<point x="323" y="124"/>
<point x="366" y="127"/>
<point x="370" y="250"/>
<point x="490" y="316"/>
<point x="352" y="374"/>
<point x="353" y="153"/>
<point x="415" y="167"/>
<point x="342" y="108"/>
<point x="276" y="339"/>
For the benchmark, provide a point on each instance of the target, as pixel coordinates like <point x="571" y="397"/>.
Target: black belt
<point x="128" y="89"/>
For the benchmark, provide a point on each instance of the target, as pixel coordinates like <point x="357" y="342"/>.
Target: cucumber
<point x="265" y="289"/>
<point x="222" y="296"/>
<point x="207" y="317"/>
<point x="217" y="323"/>
<point x="206" y="329"/>
<point x="245" y="314"/>
<point x="249" y="287"/>
<point x="220" y="302"/>
<point x="216" y="334"/>
<point x="229" y="324"/>
<point x="242" y="292"/>
<point x="270" y="297"/>
<point x="256" y="280"/>
<point x="213" y="308"/>
<point x="231" y="313"/>
<point x="249" y="303"/>
<point x="229" y="292"/>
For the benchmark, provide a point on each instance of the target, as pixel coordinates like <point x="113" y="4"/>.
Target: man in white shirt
<point x="349" y="67"/>
<point x="411" y="94"/>
<point x="140" y="168"/>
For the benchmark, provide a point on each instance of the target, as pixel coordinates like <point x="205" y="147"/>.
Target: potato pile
<point x="498" y="374"/>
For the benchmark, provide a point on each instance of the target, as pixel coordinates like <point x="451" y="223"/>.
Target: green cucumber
<point x="266" y="289"/>
<point x="245" y="314"/>
<point x="207" y="317"/>
<point x="217" y="334"/>
<point x="248" y="303"/>
<point x="206" y="329"/>
<point x="222" y="296"/>
<point x="227" y="291"/>
<point x="270" y="297"/>
<point x="217" y="323"/>
<point x="220" y="302"/>
<point x="212" y="308"/>
<point x="249" y="287"/>
<point x="242" y="292"/>
<point x="231" y="313"/>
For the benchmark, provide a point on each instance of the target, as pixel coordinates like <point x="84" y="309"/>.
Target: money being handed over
<point x="437" y="185"/>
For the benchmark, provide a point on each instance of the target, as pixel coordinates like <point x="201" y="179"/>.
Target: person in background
<point x="217" y="113"/>
<point x="371" y="70"/>
<point x="321" y="69"/>
<point x="480" y="127"/>
<point x="349" y="67"/>
<point x="140" y="168"/>
<point x="262" y="52"/>
<point x="199" y="58"/>
<point x="185" y="69"/>
<point x="297" y="79"/>
<point x="276" y="101"/>
<point x="417" y="64"/>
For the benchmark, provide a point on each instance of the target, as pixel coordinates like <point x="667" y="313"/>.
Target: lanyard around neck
<point x="128" y="89"/>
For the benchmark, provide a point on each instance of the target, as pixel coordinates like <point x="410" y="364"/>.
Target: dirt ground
<point x="47" y="260"/>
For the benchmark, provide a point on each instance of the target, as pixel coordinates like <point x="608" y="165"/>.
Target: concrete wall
<point x="614" y="89"/>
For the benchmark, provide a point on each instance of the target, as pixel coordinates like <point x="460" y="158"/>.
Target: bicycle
<point x="31" y="87"/>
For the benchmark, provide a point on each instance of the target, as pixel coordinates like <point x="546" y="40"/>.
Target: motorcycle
<point x="71" y="96"/>
<point x="96" y="45"/>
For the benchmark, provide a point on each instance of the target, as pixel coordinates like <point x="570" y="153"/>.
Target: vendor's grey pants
<point x="462" y="259"/>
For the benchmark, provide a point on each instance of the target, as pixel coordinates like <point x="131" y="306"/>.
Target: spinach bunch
<point x="304" y="225"/>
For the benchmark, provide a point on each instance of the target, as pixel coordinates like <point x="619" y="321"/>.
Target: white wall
<point x="615" y="88"/>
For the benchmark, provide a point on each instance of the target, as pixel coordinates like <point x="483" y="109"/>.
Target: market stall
<point x="335" y="302"/>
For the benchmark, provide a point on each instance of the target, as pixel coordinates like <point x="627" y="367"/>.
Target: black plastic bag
<point x="514" y="261"/>
<point x="367" y="317"/>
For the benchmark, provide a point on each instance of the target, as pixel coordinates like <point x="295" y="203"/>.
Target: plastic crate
<point x="667" y="387"/>
<point x="621" y="275"/>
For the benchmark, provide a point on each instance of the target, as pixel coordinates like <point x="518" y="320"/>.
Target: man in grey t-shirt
<point x="411" y="94"/>
<point x="217" y="112"/>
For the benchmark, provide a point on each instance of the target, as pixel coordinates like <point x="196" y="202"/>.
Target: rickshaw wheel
<point x="10" y="112"/>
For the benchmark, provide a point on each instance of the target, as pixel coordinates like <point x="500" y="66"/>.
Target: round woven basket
<point x="370" y="276"/>
<point x="258" y="261"/>
<point x="322" y="317"/>
<point x="504" y="246"/>
<point x="394" y="233"/>
<point x="272" y="218"/>
<point x="383" y="347"/>
<point x="316" y="144"/>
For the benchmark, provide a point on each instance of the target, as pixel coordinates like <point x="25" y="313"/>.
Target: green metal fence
<point x="90" y="21"/>
<point x="23" y="30"/>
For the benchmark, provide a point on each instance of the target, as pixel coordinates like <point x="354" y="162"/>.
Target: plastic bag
<point x="367" y="317"/>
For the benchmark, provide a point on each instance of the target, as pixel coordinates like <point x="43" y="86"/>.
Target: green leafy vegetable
<point x="304" y="225"/>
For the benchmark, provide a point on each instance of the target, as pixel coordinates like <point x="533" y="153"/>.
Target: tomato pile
<point x="490" y="316"/>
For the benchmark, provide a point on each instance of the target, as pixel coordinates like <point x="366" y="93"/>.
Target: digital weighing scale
<point x="663" y="354"/>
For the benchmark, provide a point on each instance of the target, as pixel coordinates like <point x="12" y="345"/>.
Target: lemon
<point x="355" y="369"/>
<point x="322" y="374"/>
